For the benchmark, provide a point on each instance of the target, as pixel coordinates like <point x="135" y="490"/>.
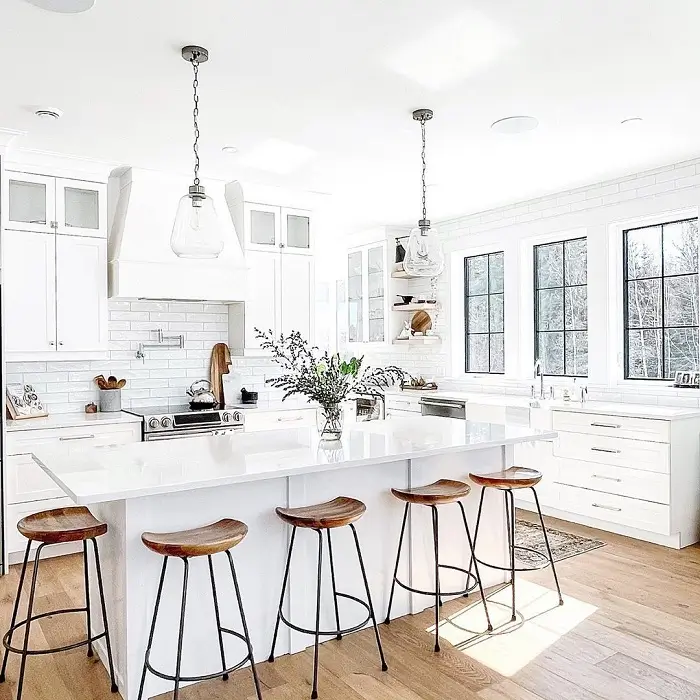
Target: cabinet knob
<point x="60" y="342"/>
<point x="281" y="245"/>
<point x="51" y="342"/>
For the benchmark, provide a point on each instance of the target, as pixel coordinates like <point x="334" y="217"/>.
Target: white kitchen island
<point x="179" y="484"/>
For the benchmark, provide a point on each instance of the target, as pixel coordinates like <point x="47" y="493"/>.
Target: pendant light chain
<point x="422" y="129"/>
<point x="195" y="117"/>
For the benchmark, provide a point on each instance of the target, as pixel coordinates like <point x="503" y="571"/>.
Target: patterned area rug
<point x="563" y="544"/>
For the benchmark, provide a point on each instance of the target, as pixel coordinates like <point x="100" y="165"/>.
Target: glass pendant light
<point x="196" y="231"/>
<point x="424" y="256"/>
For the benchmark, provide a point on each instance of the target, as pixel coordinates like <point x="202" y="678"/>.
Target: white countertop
<point x="117" y="472"/>
<point x="71" y="420"/>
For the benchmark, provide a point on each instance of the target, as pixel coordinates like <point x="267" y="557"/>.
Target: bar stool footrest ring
<point x="333" y="633"/>
<point x="208" y="676"/>
<point x="468" y="589"/>
<point x="545" y="563"/>
<point x="55" y="650"/>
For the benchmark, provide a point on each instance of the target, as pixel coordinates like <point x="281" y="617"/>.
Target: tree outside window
<point x="661" y="298"/>
<point x="561" y="307"/>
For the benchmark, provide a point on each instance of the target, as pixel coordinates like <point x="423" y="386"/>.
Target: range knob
<point x="237" y="417"/>
<point x="227" y="417"/>
<point x="166" y="422"/>
<point x="154" y="423"/>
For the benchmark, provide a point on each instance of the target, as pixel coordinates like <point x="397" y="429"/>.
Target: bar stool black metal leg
<point x="285" y="579"/>
<point x="549" y="550"/>
<point x="30" y="608"/>
<point x="369" y="598"/>
<point x="153" y="627"/>
<point x="396" y="568"/>
<point x="508" y="529"/>
<point x="437" y="577"/>
<point x="87" y="599"/>
<point x="103" y="606"/>
<point x="476" y="567"/>
<point x="15" y="609"/>
<point x="472" y="561"/>
<point x="218" y="617"/>
<point x="510" y="511"/>
<point x="335" y="593"/>
<point x="314" y="691"/>
<point x="244" y="624"/>
<point x="181" y="633"/>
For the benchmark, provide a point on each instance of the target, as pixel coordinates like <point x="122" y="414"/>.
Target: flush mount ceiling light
<point x="424" y="256"/>
<point x="632" y="121"/>
<point x="66" y="7"/>
<point x="229" y="149"/>
<point x="47" y="114"/>
<point x="196" y="231"/>
<point x="515" y="125"/>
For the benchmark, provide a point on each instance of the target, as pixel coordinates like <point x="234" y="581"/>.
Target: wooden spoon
<point x="121" y="383"/>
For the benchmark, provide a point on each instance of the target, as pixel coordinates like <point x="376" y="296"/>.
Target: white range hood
<point x="141" y="263"/>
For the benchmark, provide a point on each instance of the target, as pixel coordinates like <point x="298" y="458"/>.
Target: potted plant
<point x="324" y="378"/>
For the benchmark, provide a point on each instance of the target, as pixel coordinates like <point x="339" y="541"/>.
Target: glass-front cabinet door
<point x="366" y="297"/>
<point x="30" y="202"/>
<point x="81" y="208"/>
<point x="355" y="297"/>
<point x="296" y="230"/>
<point x="375" y="294"/>
<point x="262" y="224"/>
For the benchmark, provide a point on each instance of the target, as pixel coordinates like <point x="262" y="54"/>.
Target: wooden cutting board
<point x="220" y="362"/>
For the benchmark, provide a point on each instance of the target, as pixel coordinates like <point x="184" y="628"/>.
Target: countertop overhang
<point x="110" y="473"/>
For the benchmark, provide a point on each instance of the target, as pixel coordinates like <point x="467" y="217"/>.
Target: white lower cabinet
<point x="30" y="490"/>
<point x="257" y="420"/>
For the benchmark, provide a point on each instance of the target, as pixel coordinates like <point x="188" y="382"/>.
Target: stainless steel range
<point x="168" y="422"/>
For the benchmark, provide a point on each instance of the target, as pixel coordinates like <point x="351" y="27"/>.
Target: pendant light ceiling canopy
<point x="424" y="255"/>
<point x="196" y="231"/>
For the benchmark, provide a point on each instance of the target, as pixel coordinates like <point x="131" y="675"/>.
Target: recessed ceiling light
<point x="514" y="125"/>
<point x="632" y="121"/>
<point x="229" y="149"/>
<point x="51" y="114"/>
<point x="66" y="7"/>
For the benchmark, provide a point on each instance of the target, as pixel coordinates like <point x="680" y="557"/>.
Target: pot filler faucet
<point x="538" y="372"/>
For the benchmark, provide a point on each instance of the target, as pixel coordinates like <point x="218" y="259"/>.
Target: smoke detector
<point x="46" y="114"/>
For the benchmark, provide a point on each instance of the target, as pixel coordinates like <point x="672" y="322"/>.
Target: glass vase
<point x="329" y="421"/>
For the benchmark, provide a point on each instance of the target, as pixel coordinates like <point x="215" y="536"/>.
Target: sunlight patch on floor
<point x="513" y="645"/>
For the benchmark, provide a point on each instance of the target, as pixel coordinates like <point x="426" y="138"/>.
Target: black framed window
<point x="660" y="272"/>
<point x="483" y="313"/>
<point x="561" y="307"/>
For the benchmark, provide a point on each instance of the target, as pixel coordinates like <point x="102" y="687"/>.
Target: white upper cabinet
<point x="81" y="294"/>
<point x="81" y="208"/>
<point x="296" y="284"/>
<point x="367" y="304"/>
<point x="269" y="228"/>
<point x="262" y="302"/>
<point x="47" y="204"/>
<point x="29" y="271"/>
<point x="30" y="202"/>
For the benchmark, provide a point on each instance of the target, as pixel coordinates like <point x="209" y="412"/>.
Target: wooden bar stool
<point x="326" y="516"/>
<point x="206" y="541"/>
<point x="439" y="493"/>
<point x="507" y="481"/>
<point x="49" y="527"/>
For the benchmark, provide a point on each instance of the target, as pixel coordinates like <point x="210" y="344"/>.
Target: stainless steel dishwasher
<point x="445" y="408"/>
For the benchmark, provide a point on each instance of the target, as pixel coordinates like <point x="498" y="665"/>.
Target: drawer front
<point x="14" y="541"/>
<point x="27" y="481"/>
<point x="633" y="454"/>
<point x="22" y="441"/>
<point x="394" y="404"/>
<point x="612" y="426"/>
<point x="633" y="483"/>
<point x="278" y="420"/>
<point x="642" y="515"/>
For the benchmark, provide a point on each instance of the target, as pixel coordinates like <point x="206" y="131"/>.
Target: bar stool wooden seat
<point x="339" y="512"/>
<point x="76" y="524"/>
<point x="205" y="541"/>
<point x="509" y="480"/>
<point x="439" y="493"/>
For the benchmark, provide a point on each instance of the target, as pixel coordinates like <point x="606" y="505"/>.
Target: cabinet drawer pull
<point x="281" y="419"/>
<point x="598" y="505"/>
<point x="76" y="437"/>
<point x="606" y="425"/>
<point x="607" y="478"/>
<point x="604" y="449"/>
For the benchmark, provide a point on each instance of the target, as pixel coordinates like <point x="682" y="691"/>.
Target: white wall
<point x="600" y="212"/>
<point x="162" y="376"/>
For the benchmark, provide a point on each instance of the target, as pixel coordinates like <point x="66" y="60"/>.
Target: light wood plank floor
<point x="629" y="630"/>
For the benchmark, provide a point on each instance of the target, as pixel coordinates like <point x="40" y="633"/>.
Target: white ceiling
<point x="336" y="80"/>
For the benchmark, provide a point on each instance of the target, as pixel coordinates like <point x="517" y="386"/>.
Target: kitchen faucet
<point x="538" y="372"/>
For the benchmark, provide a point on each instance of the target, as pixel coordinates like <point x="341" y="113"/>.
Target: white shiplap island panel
<point x="179" y="484"/>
